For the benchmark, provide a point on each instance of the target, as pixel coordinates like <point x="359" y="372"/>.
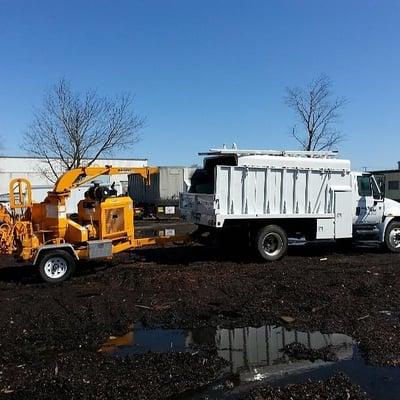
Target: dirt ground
<point x="338" y="387"/>
<point x="50" y="334"/>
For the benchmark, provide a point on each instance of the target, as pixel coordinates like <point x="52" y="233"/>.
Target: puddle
<point x="255" y="356"/>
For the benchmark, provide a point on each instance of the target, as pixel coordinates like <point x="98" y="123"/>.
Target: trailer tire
<point x="392" y="237"/>
<point x="56" y="266"/>
<point x="271" y="242"/>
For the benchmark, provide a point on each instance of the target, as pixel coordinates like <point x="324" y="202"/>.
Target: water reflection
<point x="250" y="348"/>
<point x="253" y="353"/>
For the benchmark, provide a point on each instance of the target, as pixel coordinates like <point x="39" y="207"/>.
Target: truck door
<point x="343" y="214"/>
<point x="369" y="202"/>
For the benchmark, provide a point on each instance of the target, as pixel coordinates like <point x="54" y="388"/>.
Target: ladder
<point x="281" y="153"/>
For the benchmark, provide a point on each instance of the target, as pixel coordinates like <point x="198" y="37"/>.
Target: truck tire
<point x="56" y="266"/>
<point x="271" y="242"/>
<point x="392" y="237"/>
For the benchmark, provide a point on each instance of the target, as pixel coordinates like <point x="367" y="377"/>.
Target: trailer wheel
<point x="271" y="242"/>
<point x="56" y="266"/>
<point x="392" y="237"/>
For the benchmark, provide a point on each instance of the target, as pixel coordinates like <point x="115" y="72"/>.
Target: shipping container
<point x="160" y="197"/>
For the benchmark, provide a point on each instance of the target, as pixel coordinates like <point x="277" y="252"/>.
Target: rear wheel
<point x="56" y="266"/>
<point x="392" y="237"/>
<point x="271" y="242"/>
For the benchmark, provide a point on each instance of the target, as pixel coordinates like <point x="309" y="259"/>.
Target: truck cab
<point x="372" y="211"/>
<point x="368" y="200"/>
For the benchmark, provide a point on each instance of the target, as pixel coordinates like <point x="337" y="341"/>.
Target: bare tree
<point x="71" y="128"/>
<point x="317" y="112"/>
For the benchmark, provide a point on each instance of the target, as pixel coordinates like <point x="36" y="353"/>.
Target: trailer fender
<point x="46" y="247"/>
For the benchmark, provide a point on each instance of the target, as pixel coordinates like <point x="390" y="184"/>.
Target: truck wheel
<point x="56" y="266"/>
<point x="271" y="242"/>
<point x="392" y="237"/>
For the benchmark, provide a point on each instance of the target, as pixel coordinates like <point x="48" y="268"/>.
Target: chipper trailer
<point x="44" y="235"/>
<point x="273" y="195"/>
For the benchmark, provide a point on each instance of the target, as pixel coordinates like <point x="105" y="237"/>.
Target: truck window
<point x="376" y="192"/>
<point x="364" y="186"/>
<point x="380" y="180"/>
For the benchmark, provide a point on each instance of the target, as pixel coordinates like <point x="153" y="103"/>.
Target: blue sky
<point x="205" y="72"/>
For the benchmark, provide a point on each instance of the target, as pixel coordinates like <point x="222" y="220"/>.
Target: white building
<point x="36" y="170"/>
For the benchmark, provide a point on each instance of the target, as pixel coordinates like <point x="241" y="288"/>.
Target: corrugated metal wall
<point x="164" y="186"/>
<point x="242" y="190"/>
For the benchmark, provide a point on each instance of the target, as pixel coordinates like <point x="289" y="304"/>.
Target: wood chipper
<point x="43" y="233"/>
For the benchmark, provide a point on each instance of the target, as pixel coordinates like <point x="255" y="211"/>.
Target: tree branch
<point x="75" y="128"/>
<point x="317" y="113"/>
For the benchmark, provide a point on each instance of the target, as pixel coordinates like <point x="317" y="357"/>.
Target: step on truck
<point x="275" y="195"/>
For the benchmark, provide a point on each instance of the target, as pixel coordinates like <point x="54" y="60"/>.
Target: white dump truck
<point x="276" y="195"/>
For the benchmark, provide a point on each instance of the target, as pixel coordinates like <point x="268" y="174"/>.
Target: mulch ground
<point x="50" y="334"/>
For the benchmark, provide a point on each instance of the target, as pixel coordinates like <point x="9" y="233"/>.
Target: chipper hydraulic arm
<point x="43" y="234"/>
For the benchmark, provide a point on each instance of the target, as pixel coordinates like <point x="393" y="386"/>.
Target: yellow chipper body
<point x="43" y="233"/>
